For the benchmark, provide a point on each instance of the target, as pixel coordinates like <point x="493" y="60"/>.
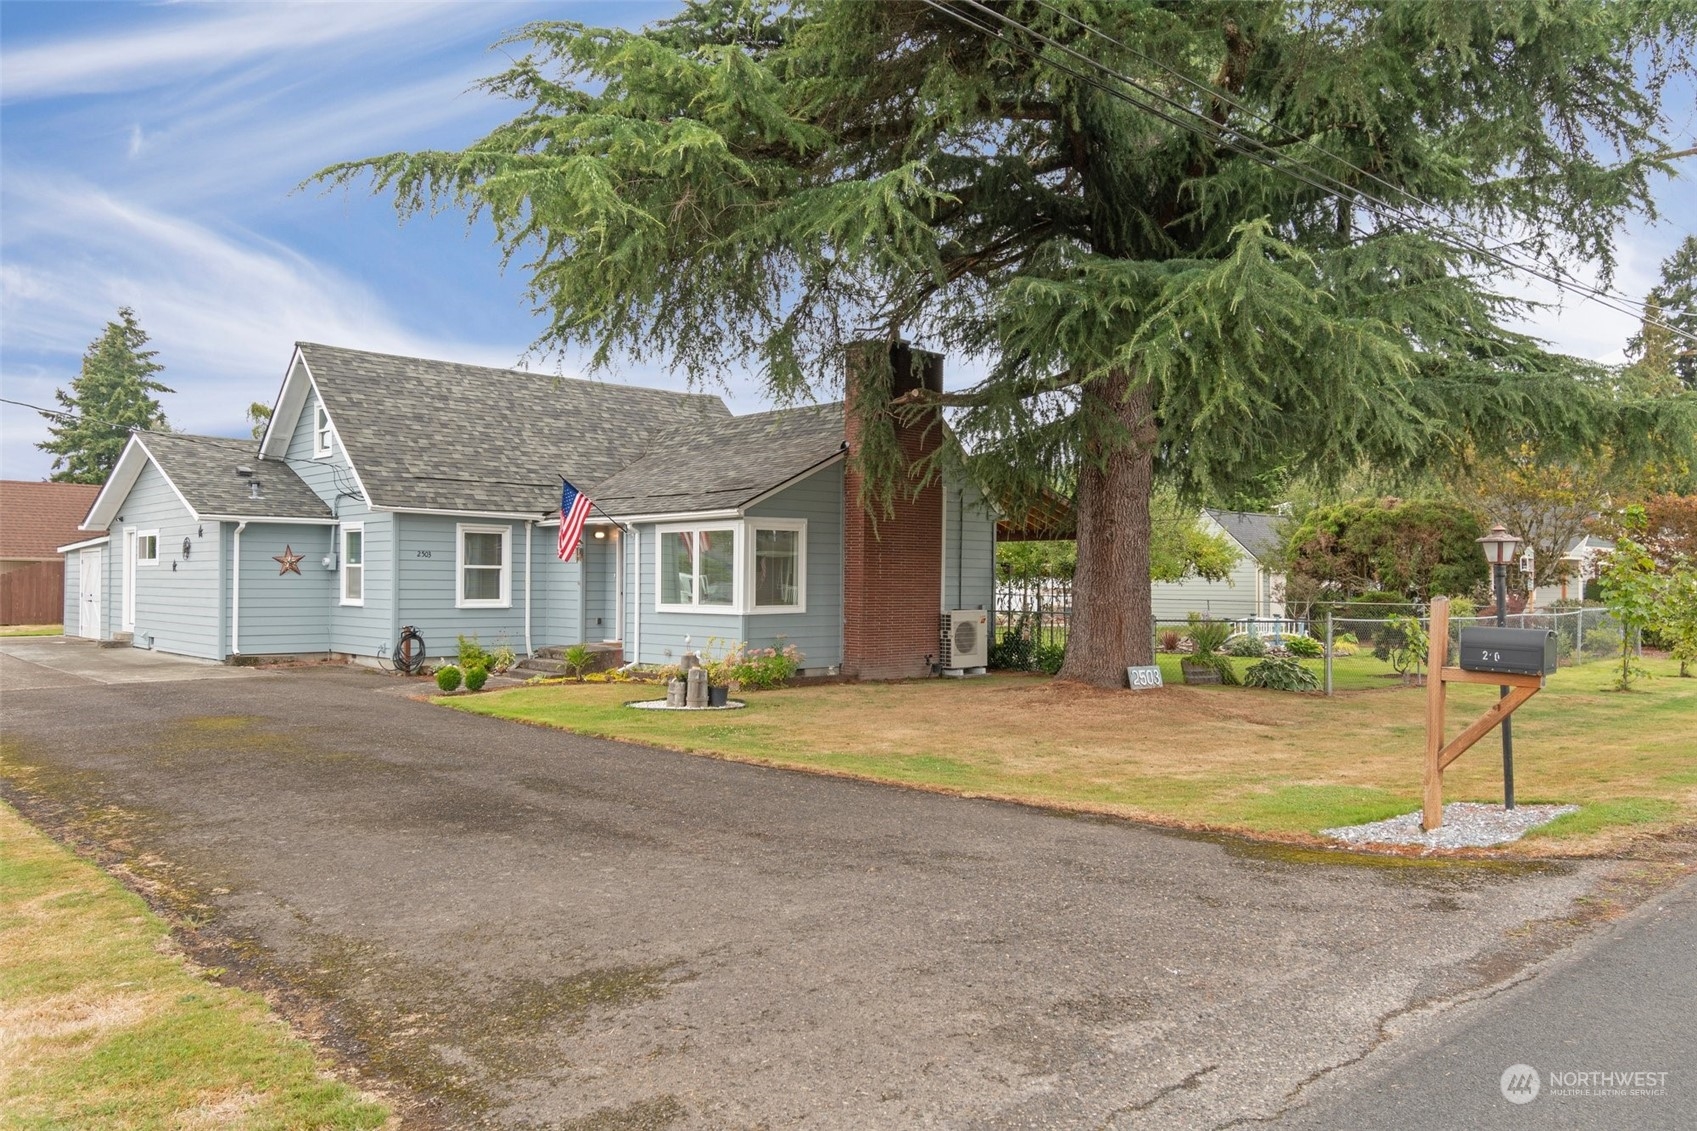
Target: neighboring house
<point x="1579" y="564"/>
<point x="1252" y="589"/>
<point x="35" y="520"/>
<point x="390" y="492"/>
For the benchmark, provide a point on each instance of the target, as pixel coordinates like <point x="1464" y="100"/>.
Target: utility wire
<point x="72" y="417"/>
<point x="1279" y="162"/>
<point x="1337" y="189"/>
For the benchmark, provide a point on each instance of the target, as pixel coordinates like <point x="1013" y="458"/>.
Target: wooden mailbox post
<point x="1522" y="686"/>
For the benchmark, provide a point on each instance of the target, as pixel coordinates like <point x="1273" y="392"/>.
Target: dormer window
<point x="320" y="432"/>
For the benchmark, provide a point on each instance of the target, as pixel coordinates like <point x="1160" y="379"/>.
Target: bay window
<point x="751" y="566"/>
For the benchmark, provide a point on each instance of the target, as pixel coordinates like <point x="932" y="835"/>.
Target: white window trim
<point x="737" y="556"/>
<point x="742" y="580"/>
<point x="323" y="433"/>
<point x="799" y="525"/>
<point x="343" y="565"/>
<point x="505" y="601"/>
<point x="154" y="560"/>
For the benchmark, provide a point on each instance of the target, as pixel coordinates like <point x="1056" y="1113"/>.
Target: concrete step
<point x="541" y="665"/>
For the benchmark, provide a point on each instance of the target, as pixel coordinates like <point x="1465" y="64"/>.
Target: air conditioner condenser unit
<point x="966" y="642"/>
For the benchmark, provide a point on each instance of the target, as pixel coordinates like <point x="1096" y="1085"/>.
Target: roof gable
<point x="1258" y="534"/>
<point x="202" y="471"/>
<point x="440" y="435"/>
<point x="40" y="517"/>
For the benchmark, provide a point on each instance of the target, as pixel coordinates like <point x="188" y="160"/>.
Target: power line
<point x="1337" y="188"/>
<point x="68" y="416"/>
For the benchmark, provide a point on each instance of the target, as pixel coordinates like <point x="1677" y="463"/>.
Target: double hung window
<point x="485" y="567"/>
<point x="353" y="564"/>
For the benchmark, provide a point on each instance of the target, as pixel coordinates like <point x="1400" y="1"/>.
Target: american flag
<point x="574" y="512"/>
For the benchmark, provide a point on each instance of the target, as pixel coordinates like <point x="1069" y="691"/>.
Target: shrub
<point x="1207" y="634"/>
<point x="1015" y="651"/>
<point x="577" y="659"/>
<point x="473" y="654"/>
<point x="1247" y="646"/>
<point x="448" y="678"/>
<point x="1049" y="657"/>
<point x="475" y="677"/>
<point x="1304" y="647"/>
<point x="757" y="669"/>
<point x="502" y="659"/>
<point x="1169" y="639"/>
<point x="1281" y="673"/>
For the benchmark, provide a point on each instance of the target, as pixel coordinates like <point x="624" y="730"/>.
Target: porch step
<point x="119" y="640"/>
<point x="550" y="659"/>
<point x="540" y="665"/>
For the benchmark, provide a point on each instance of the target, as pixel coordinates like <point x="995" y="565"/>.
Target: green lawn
<point x="32" y="630"/>
<point x="1262" y="762"/>
<point x="105" y="1026"/>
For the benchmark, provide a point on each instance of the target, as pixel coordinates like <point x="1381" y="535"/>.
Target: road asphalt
<point x="1608" y="1030"/>
<point x="509" y="926"/>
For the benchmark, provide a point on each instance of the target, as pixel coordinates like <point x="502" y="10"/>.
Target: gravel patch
<point x="1467" y="824"/>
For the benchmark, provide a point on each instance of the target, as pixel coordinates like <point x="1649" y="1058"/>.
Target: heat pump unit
<point x="966" y="641"/>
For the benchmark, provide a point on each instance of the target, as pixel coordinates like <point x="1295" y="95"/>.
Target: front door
<point x="88" y="593"/>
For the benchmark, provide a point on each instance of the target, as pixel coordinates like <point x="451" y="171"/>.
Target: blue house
<point x="390" y="492"/>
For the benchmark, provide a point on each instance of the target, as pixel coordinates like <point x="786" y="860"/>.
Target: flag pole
<point x="593" y="505"/>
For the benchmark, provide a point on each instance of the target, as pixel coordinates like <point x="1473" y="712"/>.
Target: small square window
<point x="147" y="548"/>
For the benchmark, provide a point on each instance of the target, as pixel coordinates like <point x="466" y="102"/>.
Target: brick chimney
<point x="893" y="563"/>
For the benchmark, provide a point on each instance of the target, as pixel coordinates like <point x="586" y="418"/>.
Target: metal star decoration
<point x="288" y="560"/>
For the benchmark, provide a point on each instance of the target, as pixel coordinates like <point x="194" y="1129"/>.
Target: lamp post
<point x="1500" y="547"/>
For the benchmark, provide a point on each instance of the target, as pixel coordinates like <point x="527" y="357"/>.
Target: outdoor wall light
<point x="187" y="546"/>
<point x="1499" y="545"/>
<point x="601" y="534"/>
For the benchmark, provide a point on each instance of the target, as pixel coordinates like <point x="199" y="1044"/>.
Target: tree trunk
<point x="1111" y="626"/>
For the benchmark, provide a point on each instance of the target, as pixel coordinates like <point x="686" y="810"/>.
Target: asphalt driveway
<point x="518" y="927"/>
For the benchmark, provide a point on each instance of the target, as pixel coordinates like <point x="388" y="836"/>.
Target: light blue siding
<point x="330" y="477"/>
<point x="818" y="632"/>
<point x="173" y="609"/>
<point x="969" y="547"/>
<point x="599" y="578"/>
<point x="555" y="615"/>
<point x="284" y="613"/>
<point x="429" y="576"/>
<point x="73" y="574"/>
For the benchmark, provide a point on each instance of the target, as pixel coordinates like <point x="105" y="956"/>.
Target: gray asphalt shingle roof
<point x="439" y="435"/>
<point x="1257" y="533"/>
<point x="723" y="464"/>
<point x="203" y="468"/>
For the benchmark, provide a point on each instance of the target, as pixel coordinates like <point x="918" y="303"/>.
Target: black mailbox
<point x="1521" y="651"/>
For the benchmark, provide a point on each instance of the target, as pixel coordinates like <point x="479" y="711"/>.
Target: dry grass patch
<point x="1262" y="762"/>
<point x="103" y="1024"/>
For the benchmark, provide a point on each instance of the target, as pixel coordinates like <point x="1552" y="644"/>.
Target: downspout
<point x="236" y="589"/>
<point x="529" y="564"/>
<point x="636" y="587"/>
<point x="960" y="545"/>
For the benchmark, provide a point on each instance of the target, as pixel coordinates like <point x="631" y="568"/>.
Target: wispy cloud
<point x="199" y="39"/>
<point x="223" y="306"/>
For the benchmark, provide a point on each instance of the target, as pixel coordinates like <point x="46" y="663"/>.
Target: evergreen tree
<point x="1672" y="303"/>
<point x="112" y="394"/>
<point x="1157" y="276"/>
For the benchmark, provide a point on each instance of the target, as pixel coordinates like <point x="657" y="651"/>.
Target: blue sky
<point x="149" y="155"/>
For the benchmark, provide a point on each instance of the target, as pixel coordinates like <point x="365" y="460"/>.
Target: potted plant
<point x="1206" y="664"/>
